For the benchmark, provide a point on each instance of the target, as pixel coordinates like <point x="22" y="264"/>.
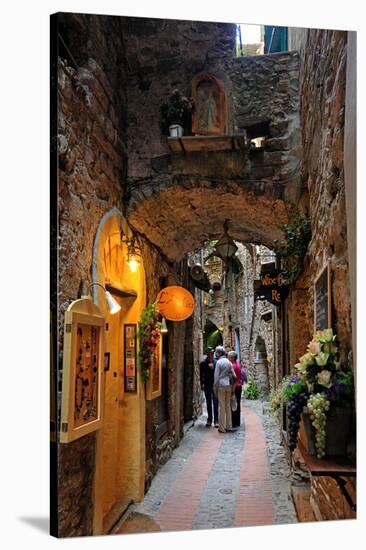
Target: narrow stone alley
<point x="204" y="210"/>
<point x="218" y="480"/>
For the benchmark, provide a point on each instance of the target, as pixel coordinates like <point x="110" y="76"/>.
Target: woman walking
<point x="235" y="415"/>
<point x="224" y="378"/>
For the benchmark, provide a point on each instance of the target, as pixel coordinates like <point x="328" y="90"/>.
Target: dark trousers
<point x="236" y="414"/>
<point x="210" y="397"/>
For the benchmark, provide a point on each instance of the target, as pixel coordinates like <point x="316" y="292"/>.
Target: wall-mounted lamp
<point x="113" y="305"/>
<point x="225" y="248"/>
<point x="133" y="252"/>
<point x="164" y="328"/>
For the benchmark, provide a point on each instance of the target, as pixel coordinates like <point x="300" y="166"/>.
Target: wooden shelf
<point x="188" y="144"/>
<point x="330" y="466"/>
<point x="336" y="467"/>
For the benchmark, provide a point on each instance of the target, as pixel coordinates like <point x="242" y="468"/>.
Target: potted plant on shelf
<point x="320" y="396"/>
<point x="175" y="113"/>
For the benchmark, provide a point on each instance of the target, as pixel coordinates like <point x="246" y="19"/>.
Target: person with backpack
<point x="237" y="387"/>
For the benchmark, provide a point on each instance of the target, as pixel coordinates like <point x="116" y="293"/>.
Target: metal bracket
<point x="342" y="485"/>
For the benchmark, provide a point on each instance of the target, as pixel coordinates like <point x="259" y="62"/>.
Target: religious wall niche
<point x="209" y="115"/>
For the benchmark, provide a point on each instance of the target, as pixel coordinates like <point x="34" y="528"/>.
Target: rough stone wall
<point x="265" y="88"/>
<point x="322" y="119"/>
<point x="259" y="88"/>
<point x="197" y="347"/>
<point x="322" y="109"/>
<point x="157" y="66"/>
<point x="76" y="462"/>
<point x="91" y="127"/>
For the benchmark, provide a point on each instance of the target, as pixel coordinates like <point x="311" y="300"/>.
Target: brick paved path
<point x="218" y="480"/>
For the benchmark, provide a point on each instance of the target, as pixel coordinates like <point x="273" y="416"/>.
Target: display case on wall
<point x="130" y="357"/>
<point x="154" y="383"/>
<point x="83" y="370"/>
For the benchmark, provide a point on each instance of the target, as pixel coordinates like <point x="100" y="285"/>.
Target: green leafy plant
<point x="251" y="390"/>
<point x="292" y="248"/>
<point x="149" y="334"/>
<point x="175" y="109"/>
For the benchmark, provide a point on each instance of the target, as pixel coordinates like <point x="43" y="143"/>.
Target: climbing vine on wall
<point x="149" y="334"/>
<point x="292" y="248"/>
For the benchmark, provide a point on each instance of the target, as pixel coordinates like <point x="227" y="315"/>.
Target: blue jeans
<point x="210" y="397"/>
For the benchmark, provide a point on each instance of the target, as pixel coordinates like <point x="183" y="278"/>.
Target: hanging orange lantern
<point x="175" y="303"/>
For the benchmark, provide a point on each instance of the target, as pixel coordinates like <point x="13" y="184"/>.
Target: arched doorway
<point x="212" y="336"/>
<point x="120" y="456"/>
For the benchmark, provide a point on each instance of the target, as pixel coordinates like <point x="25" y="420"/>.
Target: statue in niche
<point x="209" y="117"/>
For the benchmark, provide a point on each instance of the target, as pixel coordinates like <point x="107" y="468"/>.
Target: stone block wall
<point x="156" y="67"/>
<point x="322" y="119"/>
<point x="91" y="149"/>
<point x="265" y="89"/>
<point x="322" y="62"/>
<point x="76" y="463"/>
<point x="260" y="90"/>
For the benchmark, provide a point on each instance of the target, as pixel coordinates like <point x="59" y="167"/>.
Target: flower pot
<point x="175" y="130"/>
<point x="338" y="428"/>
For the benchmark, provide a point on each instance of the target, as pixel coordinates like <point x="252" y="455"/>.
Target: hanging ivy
<point x="292" y="248"/>
<point x="149" y="334"/>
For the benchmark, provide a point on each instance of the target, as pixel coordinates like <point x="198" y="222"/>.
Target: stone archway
<point x="180" y="214"/>
<point x="212" y="336"/>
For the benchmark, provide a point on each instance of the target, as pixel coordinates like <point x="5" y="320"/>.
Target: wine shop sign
<point x="273" y="286"/>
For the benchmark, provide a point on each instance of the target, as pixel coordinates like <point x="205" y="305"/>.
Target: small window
<point x="249" y="40"/>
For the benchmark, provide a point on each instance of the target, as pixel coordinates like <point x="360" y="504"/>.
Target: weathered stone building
<point x="248" y="325"/>
<point x="323" y="57"/>
<point x="118" y="175"/>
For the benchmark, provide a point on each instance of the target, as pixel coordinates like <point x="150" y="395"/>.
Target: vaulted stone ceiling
<point x="181" y="218"/>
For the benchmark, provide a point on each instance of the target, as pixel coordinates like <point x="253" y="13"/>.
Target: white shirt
<point x="222" y="371"/>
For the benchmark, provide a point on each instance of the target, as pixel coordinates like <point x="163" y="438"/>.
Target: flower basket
<point x="338" y="429"/>
<point x="319" y="400"/>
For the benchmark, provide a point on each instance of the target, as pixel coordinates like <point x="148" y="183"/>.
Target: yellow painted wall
<point x="120" y="469"/>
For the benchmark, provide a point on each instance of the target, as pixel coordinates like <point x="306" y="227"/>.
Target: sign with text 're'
<point x="274" y="286"/>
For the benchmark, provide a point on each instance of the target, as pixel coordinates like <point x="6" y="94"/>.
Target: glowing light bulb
<point x="133" y="264"/>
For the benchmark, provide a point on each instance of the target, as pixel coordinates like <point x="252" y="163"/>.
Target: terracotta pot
<point x="339" y="423"/>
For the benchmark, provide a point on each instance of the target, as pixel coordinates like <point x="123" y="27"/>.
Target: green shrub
<point x="292" y="248"/>
<point x="251" y="390"/>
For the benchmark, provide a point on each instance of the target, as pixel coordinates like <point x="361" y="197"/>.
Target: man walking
<point x="224" y="378"/>
<point x="207" y="369"/>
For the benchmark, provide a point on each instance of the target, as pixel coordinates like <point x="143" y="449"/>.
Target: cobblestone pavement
<point x="218" y="480"/>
